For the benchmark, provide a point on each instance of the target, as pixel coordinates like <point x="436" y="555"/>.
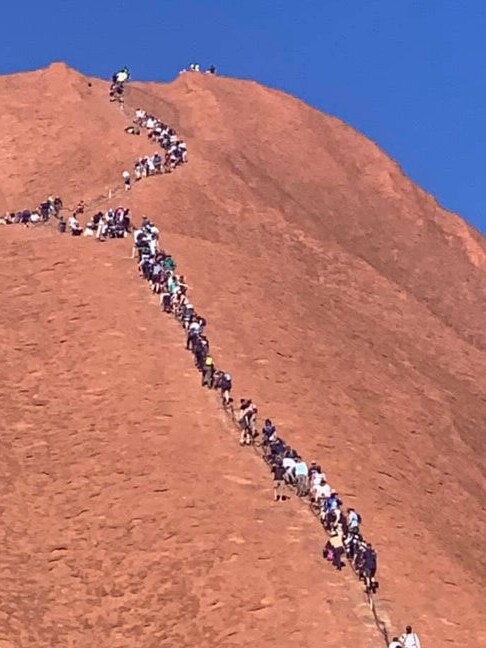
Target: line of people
<point x="114" y="223"/>
<point x="288" y="468"/>
<point x="173" y="149"/>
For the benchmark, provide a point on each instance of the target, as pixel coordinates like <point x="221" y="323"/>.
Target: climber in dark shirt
<point x="278" y="472"/>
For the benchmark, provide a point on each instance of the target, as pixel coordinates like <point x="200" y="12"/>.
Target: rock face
<point x="341" y="297"/>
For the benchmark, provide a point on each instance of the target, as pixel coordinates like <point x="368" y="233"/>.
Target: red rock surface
<point x="343" y="299"/>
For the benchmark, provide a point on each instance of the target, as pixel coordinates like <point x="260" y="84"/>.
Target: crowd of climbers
<point x="114" y="223"/>
<point x="173" y="150"/>
<point x="286" y="464"/>
<point x="50" y="207"/>
<point x="288" y="468"/>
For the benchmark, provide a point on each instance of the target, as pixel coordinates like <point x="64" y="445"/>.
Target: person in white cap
<point x="126" y="180"/>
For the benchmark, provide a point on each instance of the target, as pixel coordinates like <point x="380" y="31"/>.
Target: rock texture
<point x="342" y="298"/>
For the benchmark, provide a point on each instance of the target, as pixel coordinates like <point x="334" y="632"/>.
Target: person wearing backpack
<point x="409" y="639"/>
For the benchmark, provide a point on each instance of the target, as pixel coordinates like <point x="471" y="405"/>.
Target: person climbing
<point x="336" y="543"/>
<point x="122" y="76"/>
<point x="354" y="520"/>
<point x="368" y="569"/>
<point x="320" y="492"/>
<point x="211" y="69"/>
<point x="409" y="639"/>
<point x="126" y="180"/>
<point x="246" y="419"/>
<point x="187" y="315"/>
<point x="289" y="464"/>
<point x="192" y="335"/>
<point x="225" y="386"/>
<point x="157" y="162"/>
<point x="269" y="433"/>
<point x="278" y="472"/>
<point x="208" y="371"/>
<point x="140" y="116"/>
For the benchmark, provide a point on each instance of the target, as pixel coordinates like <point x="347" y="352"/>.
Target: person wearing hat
<point x="336" y="542"/>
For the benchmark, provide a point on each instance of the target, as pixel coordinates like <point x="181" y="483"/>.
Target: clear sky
<point x="407" y="73"/>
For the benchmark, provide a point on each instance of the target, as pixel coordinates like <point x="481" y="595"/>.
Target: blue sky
<point x="407" y="73"/>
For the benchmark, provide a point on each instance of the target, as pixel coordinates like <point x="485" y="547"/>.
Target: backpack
<point x="359" y="518"/>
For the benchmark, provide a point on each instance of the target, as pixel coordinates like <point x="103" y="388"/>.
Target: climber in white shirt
<point x="409" y="639"/>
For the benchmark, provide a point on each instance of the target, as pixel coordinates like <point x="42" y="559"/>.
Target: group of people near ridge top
<point x="195" y="67"/>
<point x="117" y="87"/>
<point x="174" y="150"/>
<point x="50" y="207"/>
<point x="114" y="223"/>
